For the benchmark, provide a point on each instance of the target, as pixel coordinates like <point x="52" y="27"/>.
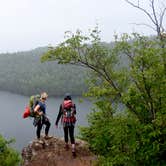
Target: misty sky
<point x="28" y="24"/>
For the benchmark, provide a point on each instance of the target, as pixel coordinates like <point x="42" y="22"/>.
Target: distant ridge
<point x="23" y="73"/>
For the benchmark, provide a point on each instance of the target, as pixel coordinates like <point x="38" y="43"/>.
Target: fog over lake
<point x="12" y="125"/>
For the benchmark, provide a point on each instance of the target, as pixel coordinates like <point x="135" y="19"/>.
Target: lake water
<point x="12" y="125"/>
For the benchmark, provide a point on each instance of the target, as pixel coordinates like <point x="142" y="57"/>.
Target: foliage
<point x="123" y="140"/>
<point x="8" y="156"/>
<point x="136" y="134"/>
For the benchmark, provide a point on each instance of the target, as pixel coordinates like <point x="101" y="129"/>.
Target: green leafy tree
<point x="128" y="84"/>
<point x="139" y="85"/>
<point x="8" y="156"/>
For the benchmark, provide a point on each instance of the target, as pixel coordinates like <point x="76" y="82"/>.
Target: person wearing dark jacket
<point x="67" y="112"/>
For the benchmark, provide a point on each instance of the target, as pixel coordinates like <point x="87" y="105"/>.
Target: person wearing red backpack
<point x="67" y="112"/>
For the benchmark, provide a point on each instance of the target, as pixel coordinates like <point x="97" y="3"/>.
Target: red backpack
<point x="68" y="109"/>
<point x="67" y="104"/>
<point x="26" y="112"/>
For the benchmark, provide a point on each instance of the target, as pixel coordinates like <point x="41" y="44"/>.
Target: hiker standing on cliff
<point x="67" y="111"/>
<point x="41" y="118"/>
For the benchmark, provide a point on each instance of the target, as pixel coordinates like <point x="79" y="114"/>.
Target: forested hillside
<point x="23" y="73"/>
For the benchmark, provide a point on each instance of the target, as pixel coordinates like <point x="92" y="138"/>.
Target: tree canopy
<point x="8" y="156"/>
<point x="134" y="134"/>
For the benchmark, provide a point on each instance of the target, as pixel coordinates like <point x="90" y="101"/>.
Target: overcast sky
<point x="28" y="24"/>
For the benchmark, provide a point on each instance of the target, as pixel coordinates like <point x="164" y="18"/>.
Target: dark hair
<point x="67" y="97"/>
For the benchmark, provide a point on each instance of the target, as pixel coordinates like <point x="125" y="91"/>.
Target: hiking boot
<point x="67" y="147"/>
<point x="40" y="141"/>
<point x="47" y="137"/>
<point x="74" y="154"/>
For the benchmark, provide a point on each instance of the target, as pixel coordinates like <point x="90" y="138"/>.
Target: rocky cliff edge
<point x="51" y="152"/>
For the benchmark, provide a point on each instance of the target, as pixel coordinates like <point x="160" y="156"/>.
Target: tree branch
<point x="94" y="68"/>
<point x="145" y="25"/>
<point x="155" y="17"/>
<point x="161" y="17"/>
<point x="142" y="9"/>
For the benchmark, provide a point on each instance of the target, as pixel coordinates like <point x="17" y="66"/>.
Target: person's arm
<point x="36" y="110"/>
<point x="74" y="109"/>
<point x="59" y="116"/>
